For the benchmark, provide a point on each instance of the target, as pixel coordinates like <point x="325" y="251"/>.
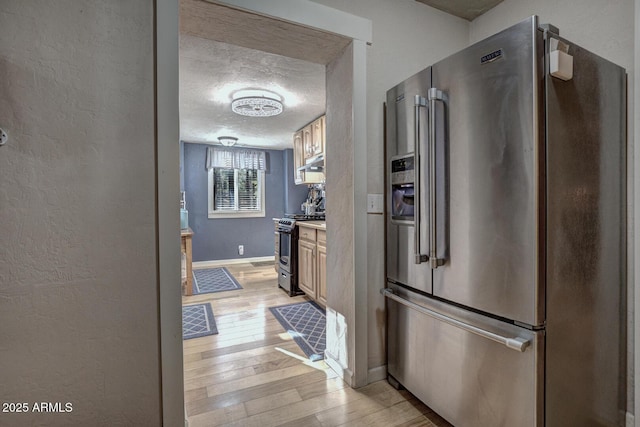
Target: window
<point x="236" y="193"/>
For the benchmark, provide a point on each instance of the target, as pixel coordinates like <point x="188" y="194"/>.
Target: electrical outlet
<point x="240" y="249"/>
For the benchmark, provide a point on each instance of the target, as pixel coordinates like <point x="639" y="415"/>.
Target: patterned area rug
<point x="210" y="280"/>
<point x="306" y="323"/>
<point x="198" y="321"/>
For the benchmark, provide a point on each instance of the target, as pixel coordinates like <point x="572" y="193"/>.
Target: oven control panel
<point x="286" y="224"/>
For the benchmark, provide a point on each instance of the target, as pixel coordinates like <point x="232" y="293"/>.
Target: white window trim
<point x="214" y="214"/>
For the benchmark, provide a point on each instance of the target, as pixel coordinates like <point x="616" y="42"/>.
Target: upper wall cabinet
<point x="298" y="157"/>
<point x="316" y="143"/>
<point x="308" y="149"/>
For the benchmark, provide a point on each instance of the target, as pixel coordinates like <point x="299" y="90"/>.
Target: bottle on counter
<point x="184" y="213"/>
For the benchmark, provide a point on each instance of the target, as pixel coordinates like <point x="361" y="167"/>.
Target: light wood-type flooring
<point x="253" y="374"/>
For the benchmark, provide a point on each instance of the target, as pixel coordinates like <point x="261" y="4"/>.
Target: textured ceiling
<point x="210" y="72"/>
<point x="223" y="50"/>
<point x="467" y="9"/>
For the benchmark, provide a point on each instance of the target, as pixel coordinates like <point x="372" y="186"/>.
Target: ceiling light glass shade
<point x="256" y="103"/>
<point x="227" y="141"/>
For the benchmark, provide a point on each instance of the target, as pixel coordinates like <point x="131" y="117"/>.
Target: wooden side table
<point x="185" y="248"/>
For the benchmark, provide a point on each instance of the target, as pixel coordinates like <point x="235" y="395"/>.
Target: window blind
<point x="223" y="189"/>
<point x="236" y="189"/>
<point x="247" y="184"/>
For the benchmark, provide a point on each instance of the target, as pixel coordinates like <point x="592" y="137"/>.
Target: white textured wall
<point x="78" y="285"/>
<point x="407" y="37"/>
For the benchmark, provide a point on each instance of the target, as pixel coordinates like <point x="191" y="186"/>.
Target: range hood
<point x="314" y="164"/>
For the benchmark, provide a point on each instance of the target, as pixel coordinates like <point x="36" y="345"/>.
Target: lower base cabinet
<point x="307" y="267"/>
<point x="312" y="263"/>
<point x="321" y="268"/>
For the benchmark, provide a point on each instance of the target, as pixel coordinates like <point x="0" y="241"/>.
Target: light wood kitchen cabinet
<point x="321" y="267"/>
<point x="307" y="141"/>
<point x="312" y="263"/>
<point x="308" y="144"/>
<point x="298" y="157"/>
<point x="307" y="267"/>
<point x="317" y="137"/>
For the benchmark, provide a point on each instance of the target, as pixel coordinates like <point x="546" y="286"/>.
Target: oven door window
<point x="285" y="248"/>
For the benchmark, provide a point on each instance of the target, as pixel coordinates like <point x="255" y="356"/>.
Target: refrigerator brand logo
<point x="400" y="98"/>
<point x="493" y="56"/>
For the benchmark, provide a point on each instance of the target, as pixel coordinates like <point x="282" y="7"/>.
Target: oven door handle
<point x="518" y="343"/>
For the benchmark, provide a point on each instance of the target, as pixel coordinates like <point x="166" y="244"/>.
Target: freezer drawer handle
<point x="434" y="95"/>
<point x="517" y="343"/>
<point x="420" y="102"/>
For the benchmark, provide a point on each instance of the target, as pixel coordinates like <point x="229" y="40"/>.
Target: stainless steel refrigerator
<point x="505" y="233"/>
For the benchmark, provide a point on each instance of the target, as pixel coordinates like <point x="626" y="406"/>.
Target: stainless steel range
<point x="288" y="250"/>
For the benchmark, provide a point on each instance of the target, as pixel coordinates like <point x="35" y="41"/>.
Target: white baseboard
<point x="377" y="374"/>
<point x="222" y="262"/>
<point x="337" y="367"/>
<point x="631" y="421"/>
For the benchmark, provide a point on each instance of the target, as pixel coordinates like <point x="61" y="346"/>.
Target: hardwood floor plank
<point x="307" y="391"/>
<point x="240" y="355"/>
<point x="263" y="378"/>
<point x="299" y="410"/>
<point x="219" y="416"/>
<point x="387" y="417"/>
<point x="347" y="413"/>
<point x="310" y="421"/>
<point x="275" y="339"/>
<point x="251" y="393"/>
<point x="195" y="394"/>
<point x="218" y="378"/>
<point x="423" y="421"/>
<point x="259" y="363"/>
<point x="267" y="403"/>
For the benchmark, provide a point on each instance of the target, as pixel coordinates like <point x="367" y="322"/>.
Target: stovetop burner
<point x="304" y="217"/>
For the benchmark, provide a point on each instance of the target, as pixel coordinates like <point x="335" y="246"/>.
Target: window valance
<point x="235" y="158"/>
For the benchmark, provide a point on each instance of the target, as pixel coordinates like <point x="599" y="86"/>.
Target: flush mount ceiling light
<point x="256" y="103"/>
<point x="227" y="141"/>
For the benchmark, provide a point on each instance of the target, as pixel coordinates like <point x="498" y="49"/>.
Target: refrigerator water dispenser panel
<point x="402" y="189"/>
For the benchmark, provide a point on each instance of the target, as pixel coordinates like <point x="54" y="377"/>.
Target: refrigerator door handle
<point x="434" y="95"/>
<point x="517" y="343"/>
<point x="419" y="257"/>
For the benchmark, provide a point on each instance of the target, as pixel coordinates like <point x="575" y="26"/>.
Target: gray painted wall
<point x="181" y="166"/>
<point x="218" y="239"/>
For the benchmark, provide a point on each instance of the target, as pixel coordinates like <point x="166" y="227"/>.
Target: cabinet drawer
<point x="322" y="238"/>
<point x="307" y="233"/>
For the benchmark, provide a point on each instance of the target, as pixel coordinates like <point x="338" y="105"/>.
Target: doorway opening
<point x="316" y="46"/>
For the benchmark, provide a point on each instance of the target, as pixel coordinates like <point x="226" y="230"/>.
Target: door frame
<point x="302" y="12"/>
